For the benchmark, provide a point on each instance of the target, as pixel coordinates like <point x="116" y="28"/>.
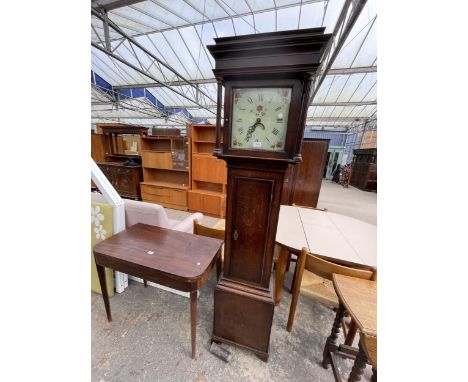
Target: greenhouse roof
<point x="150" y="65"/>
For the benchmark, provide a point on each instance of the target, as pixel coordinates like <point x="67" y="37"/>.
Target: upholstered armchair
<point x="154" y="214"/>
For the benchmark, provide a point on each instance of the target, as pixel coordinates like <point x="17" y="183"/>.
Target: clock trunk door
<point x="251" y="232"/>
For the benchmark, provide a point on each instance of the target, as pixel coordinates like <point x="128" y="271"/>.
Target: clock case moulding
<point x="243" y="298"/>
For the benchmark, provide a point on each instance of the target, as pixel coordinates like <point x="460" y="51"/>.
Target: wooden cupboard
<point x="208" y="173"/>
<point x="165" y="162"/>
<point x="111" y="148"/>
<point x="364" y="169"/>
<point x="303" y="181"/>
<point x="125" y="179"/>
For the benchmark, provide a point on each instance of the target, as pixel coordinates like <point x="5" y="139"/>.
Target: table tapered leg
<point x="332" y="343"/>
<point x="145" y="283"/>
<point x="105" y="296"/>
<point x="280" y="270"/>
<point x="193" y="319"/>
<point x="296" y="289"/>
<point x="359" y="365"/>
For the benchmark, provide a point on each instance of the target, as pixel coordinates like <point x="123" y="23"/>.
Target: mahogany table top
<point x="179" y="254"/>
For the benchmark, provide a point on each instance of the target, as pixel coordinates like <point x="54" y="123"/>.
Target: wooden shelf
<point x="208" y="174"/>
<point x="166" y="184"/>
<point x="165" y="176"/>
<point x="208" y="192"/>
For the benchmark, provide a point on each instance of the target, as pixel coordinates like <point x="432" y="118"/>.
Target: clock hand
<point x="252" y="129"/>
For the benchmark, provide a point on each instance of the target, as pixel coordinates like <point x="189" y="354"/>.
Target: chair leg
<point x="352" y="330"/>
<point x="289" y="262"/>
<point x="145" y="283"/>
<point x="332" y="341"/>
<point x="294" y="279"/>
<point x="279" y="276"/>
<point x="359" y="365"/>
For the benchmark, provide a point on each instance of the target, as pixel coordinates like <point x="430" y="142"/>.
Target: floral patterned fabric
<point x="101" y="229"/>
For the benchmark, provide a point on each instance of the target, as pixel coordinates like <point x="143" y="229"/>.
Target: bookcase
<point x="208" y="173"/>
<point x="166" y="177"/>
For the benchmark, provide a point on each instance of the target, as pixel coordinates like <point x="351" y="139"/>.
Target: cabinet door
<point x="254" y="200"/>
<point x="208" y="169"/>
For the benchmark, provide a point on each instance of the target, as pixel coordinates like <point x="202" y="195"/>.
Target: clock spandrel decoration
<point x="267" y="79"/>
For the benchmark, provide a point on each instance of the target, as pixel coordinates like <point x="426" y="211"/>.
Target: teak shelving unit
<point x="208" y="173"/>
<point x="166" y="176"/>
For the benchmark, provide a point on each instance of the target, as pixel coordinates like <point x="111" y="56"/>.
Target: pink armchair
<point x="154" y="214"/>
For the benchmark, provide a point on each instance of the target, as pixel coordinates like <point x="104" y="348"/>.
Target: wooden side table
<point x="359" y="298"/>
<point x="171" y="258"/>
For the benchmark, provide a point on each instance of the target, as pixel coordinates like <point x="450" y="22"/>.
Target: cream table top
<point x="332" y="236"/>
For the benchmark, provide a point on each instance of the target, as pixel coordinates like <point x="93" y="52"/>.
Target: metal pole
<point x="217" y="150"/>
<point x="118" y="58"/>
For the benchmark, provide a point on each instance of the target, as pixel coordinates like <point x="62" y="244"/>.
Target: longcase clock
<point x="267" y="80"/>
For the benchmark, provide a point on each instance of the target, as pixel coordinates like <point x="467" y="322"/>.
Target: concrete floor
<point x="149" y="337"/>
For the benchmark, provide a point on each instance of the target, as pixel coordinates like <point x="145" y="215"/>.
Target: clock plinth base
<point x="243" y="316"/>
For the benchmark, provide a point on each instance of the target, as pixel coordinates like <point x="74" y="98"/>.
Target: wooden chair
<point x="314" y="279"/>
<point x="199" y="229"/>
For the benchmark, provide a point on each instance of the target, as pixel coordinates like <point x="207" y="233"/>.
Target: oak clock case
<point x="266" y="78"/>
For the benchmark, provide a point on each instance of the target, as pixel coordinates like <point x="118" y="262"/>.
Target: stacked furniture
<point x="111" y="147"/>
<point x="364" y="169"/>
<point x="208" y="174"/>
<point x="302" y="182"/>
<point x="165" y="162"/>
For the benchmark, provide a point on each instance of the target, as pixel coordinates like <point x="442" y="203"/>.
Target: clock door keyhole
<point x="235" y="235"/>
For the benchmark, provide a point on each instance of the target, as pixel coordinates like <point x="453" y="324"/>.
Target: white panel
<point x="207" y="33"/>
<point x="368" y="52"/>
<point x="244" y="25"/>
<point x="322" y="92"/>
<point x="331" y="16"/>
<point x="131" y="25"/>
<point x="311" y="15"/>
<point x="372" y="95"/>
<point x="167" y="52"/>
<point x="336" y="88"/>
<point x="156" y="70"/>
<point x="198" y="51"/>
<point x="235" y="6"/>
<point x="366" y="84"/>
<point x="280" y="3"/>
<point x="224" y="28"/>
<point x="258" y="5"/>
<point x="140" y="17"/>
<point x="210" y="8"/>
<point x="183" y="10"/>
<point x="180" y="50"/>
<point x="265" y="21"/>
<point x="159" y="13"/>
<point x="288" y="18"/>
<point x="351" y="85"/>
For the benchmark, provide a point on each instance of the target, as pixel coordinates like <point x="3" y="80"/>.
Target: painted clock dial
<point x="260" y="118"/>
